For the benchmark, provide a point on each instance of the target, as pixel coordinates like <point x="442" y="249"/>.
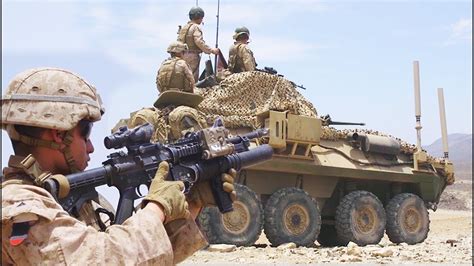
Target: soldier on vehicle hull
<point x="174" y="73"/>
<point x="191" y="35"/>
<point x="241" y="58"/>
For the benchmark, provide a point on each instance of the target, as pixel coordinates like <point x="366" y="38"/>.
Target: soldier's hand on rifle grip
<point x="168" y="194"/>
<point x="201" y="193"/>
<point x="228" y="183"/>
<point x="215" y="51"/>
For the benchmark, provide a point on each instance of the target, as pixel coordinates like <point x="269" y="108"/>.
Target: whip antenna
<point x="217" y="35"/>
<point x="442" y="118"/>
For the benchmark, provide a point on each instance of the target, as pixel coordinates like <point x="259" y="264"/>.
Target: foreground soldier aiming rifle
<point x="48" y="114"/>
<point x="198" y="157"/>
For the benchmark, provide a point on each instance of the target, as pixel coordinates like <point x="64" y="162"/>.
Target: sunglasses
<point x="85" y="128"/>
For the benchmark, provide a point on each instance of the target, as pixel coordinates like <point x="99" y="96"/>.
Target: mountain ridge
<point x="460" y="153"/>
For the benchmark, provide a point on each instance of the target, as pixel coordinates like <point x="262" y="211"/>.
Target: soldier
<point x="240" y="56"/>
<point x="174" y="73"/>
<point x="191" y="34"/>
<point x="48" y="114"/>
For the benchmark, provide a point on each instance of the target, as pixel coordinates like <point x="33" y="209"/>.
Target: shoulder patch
<point x="19" y="233"/>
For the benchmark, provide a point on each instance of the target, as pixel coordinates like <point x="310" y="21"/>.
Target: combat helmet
<point x="196" y="12"/>
<point x="241" y="31"/>
<point x="49" y="98"/>
<point x="177" y="47"/>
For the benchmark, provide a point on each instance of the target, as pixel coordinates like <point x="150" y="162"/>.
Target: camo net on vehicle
<point x="330" y="133"/>
<point x="240" y="97"/>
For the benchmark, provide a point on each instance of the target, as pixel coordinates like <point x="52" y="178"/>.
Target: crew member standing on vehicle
<point x="191" y="34"/>
<point x="174" y="73"/>
<point x="241" y="58"/>
<point x="48" y="114"/>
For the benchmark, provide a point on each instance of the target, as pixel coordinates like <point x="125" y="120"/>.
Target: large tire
<point x="328" y="236"/>
<point x="241" y="227"/>
<point x="291" y="215"/>
<point x="408" y="219"/>
<point x="360" y="218"/>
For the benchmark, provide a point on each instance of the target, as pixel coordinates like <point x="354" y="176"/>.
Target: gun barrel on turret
<point x="345" y="123"/>
<point x="327" y="121"/>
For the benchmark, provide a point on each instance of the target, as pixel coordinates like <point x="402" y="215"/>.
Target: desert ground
<point x="449" y="242"/>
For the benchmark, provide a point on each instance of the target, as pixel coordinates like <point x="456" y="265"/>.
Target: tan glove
<point x="169" y="194"/>
<point x="201" y="193"/>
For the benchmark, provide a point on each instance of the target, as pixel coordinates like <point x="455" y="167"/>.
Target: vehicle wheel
<point x="241" y="227"/>
<point x="408" y="219"/>
<point x="360" y="218"/>
<point x="291" y="215"/>
<point x="328" y="236"/>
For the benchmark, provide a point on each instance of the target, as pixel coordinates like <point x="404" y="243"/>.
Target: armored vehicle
<point x="323" y="184"/>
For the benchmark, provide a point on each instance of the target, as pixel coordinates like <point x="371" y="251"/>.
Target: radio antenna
<point x="416" y="75"/>
<point x="442" y="118"/>
<point x="217" y="35"/>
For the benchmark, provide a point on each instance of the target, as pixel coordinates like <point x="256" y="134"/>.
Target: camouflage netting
<point x="239" y="97"/>
<point x="330" y="133"/>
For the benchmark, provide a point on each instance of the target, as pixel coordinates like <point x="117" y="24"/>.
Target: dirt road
<point x="449" y="242"/>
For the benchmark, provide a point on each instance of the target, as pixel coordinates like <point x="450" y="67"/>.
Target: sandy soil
<point x="449" y="242"/>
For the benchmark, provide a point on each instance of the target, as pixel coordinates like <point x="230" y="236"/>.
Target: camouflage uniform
<point x="175" y="74"/>
<point x="241" y="58"/>
<point x="191" y="34"/>
<point x="170" y="123"/>
<point x="35" y="228"/>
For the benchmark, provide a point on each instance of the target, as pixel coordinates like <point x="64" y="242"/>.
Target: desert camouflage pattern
<point x="55" y="237"/>
<point x="155" y="117"/>
<point x="170" y="123"/>
<point x="237" y="100"/>
<point x="175" y="74"/>
<point x="185" y="119"/>
<point x="331" y="133"/>
<point x="241" y="58"/>
<point x="240" y="97"/>
<point x="177" y="47"/>
<point x="191" y="35"/>
<point x="193" y="59"/>
<point x="50" y="98"/>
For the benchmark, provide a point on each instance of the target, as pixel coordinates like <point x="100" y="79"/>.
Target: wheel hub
<point x="412" y="220"/>
<point x="365" y="218"/>
<point x="237" y="220"/>
<point x="296" y="219"/>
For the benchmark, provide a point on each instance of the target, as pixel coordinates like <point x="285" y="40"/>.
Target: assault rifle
<point x="197" y="157"/>
<point x="271" y="70"/>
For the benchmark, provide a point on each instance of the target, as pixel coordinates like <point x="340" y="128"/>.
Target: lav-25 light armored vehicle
<point x="323" y="184"/>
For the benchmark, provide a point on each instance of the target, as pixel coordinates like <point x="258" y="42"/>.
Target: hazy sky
<point x="354" y="57"/>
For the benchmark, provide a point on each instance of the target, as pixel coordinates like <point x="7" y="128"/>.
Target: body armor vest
<point x="185" y="35"/>
<point x="171" y="75"/>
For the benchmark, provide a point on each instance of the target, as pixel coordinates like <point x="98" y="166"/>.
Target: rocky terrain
<point x="449" y="242"/>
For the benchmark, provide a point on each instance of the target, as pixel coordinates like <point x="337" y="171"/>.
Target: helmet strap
<point x="68" y="138"/>
<point x="15" y="135"/>
<point x="66" y="151"/>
